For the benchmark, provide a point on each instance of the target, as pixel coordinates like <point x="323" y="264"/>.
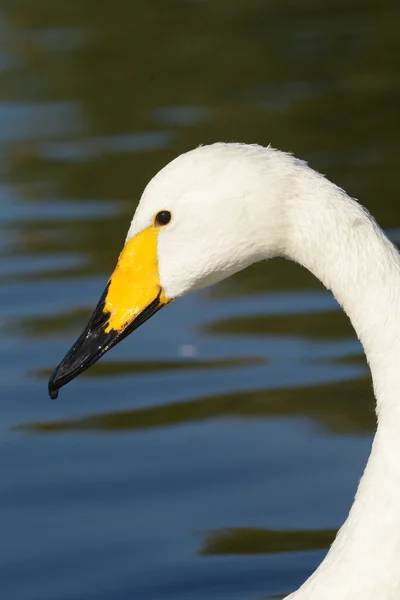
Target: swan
<point x="212" y="212"/>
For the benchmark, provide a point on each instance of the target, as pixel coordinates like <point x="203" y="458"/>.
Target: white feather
<point x="234" y="204"/>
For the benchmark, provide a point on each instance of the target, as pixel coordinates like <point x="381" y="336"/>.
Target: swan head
<point x="206" y="215"/>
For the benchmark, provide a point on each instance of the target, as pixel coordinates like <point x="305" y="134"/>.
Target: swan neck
<point x="338" y="240"/>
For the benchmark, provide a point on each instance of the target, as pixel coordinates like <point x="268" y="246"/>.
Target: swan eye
<point x="163" y="217"/>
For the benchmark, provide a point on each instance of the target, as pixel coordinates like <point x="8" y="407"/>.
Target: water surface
<point x="214" y="453"/>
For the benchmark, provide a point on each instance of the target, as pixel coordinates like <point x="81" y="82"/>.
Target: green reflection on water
<point x="114" y="368"/>
<point x="252" y="540"/>
<point x="342" y="408"/>
<point x="330" y="325"/>
<point x="53" y="325"/>
<point x="276" y="274"/>
<point x="321" y="82"/>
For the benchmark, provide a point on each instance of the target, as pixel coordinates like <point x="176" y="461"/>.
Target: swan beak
<point x="133" y="294"/>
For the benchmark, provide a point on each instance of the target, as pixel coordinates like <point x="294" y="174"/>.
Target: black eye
<point x="163" y="217"/>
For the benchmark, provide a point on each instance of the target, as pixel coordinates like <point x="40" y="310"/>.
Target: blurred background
<point x="215" y="452"/>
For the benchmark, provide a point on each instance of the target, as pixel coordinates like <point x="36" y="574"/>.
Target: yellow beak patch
<point x="135" y="282"/>
<point x="133" y="294"/>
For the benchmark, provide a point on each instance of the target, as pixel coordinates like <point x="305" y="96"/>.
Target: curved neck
<point x="337" y="240"/>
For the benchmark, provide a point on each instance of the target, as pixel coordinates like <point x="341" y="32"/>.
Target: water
<point x="214" y="453"/>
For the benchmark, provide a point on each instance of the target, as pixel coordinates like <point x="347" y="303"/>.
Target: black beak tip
<point x="94" y="342"/>
<point x="53" y="394"/>
<point x="53" y="389"/>
<point x="55" y="383"/>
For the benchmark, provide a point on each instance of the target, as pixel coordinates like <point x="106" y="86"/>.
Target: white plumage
<point x="234" y="204"/>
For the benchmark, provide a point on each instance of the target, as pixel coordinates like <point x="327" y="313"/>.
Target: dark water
<point x="215" y="453"/>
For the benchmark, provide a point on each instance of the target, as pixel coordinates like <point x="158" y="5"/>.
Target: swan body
<point x="234" y="204"/>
